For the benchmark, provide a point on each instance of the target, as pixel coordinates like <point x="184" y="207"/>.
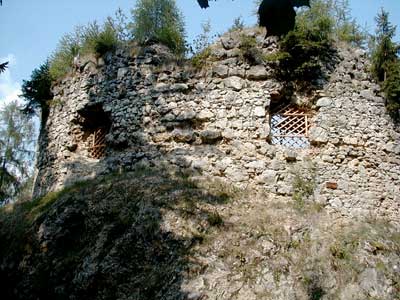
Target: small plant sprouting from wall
<point x="249" y="51"/>
<point x="304" y="183"/>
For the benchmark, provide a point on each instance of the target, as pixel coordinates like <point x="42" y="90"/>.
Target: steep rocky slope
<point x="155" y="234"/>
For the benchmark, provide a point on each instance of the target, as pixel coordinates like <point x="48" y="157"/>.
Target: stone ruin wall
<point x="216" y="122"/>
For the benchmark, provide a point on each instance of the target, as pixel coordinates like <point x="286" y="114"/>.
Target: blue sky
<point x="30" y="29"/>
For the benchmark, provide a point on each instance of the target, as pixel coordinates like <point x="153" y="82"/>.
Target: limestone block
<point x="179" y="87"/>
<point x="258" y="165"/>
<point x="259" y="111"/>
<point x="257" y="73"/>
<point x="162" y="87"/>
<point x="234" y="82"/>
<point x="324" y="102"/>
<point x="122" y="73"/>
<point x="221" y="71"/>
<point x="236" y="174"/>
<point x="350" y="140"/>
<point x="228" y="42"/>
<point x="318" y="135"/>
<point x="205" y="115"/>
<point x="268" y="177"/>
<point x="183" y="136"/>
<point x="210" y="136"/>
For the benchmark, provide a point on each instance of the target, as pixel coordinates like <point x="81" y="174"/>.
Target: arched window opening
<point x="290" y="125"/>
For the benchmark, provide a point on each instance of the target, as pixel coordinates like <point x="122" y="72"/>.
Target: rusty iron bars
<point x="290" y="126"/>
<point x="98" y="148"/>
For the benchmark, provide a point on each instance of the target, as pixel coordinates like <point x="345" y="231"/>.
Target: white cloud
<point x="9" y="88"/>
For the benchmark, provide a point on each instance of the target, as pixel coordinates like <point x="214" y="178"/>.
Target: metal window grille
<point x="289" y="127"/>
<point x="98" y="145"/>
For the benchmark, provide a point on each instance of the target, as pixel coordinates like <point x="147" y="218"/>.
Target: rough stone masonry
<point x="215" y="122"/>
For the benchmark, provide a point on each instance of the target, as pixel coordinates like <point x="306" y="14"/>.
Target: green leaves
<point x="159" y="21"/>
<point x="37" y="91"/>
<point x="386" y="64"/>
<point x="16" y="150"/>
<point x="3" y="67"/>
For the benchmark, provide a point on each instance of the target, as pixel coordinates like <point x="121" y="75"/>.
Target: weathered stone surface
<point x="205" y="115"/>
<point x="258" y="73"/>
<point x="234" y="82"/>
<point x="122" y="72"/>
<point x="236" y="175"/>
<point x="217" y="122"/>
<point x="259" y="111"/>
<point x="290" y="155"/>
<point x="179" y="87"/>
<point x="269" y="177"/>
<point x="210" y="136"/>
<point x="221" y="71"/>
<point x="162" y="87"/>
<point x="324" y="102"/>
<point x="318" y="135"/>
<point x="229" y="42"/>
<point x="184" y="136"/>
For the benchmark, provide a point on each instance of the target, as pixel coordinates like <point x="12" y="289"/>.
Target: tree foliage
<point x="16" y="150"/>
<point x="386" y="63"/>
<point x="305" y="50"/>
<point x="159" y="21"/>
<point x="3" y="66"/>
<point x="37" y="92"/>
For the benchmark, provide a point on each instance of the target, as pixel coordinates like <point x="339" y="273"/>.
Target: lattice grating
<point x="290" y="126"/>
<point x="98" y="147"/>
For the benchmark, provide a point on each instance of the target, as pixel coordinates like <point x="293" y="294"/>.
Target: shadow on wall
<point x="124" y="236"/>
<point x="124" y="120"/>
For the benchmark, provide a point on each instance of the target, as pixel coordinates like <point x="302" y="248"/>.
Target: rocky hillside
<point x="155" y="234"/>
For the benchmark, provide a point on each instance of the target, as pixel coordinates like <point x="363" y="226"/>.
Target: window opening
<point x="98" y="146"/>
<point x="290" y="126"/>
<point x="94" y="125"/>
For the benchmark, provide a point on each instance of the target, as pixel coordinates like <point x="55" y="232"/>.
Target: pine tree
<point x="16" y="150"/>
<point x="386" y="63"/>
<point x="37" y="92"/>
<point x="385" y="50"/>
<point x="3" y="66"/>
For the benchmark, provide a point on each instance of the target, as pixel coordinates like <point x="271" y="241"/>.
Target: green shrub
<point x="89" y="39"/>
<point x="304" y="51"/>
<point x="200" y="59"/>
<point x="304" y="184"/>
<point x="302" y="55"/>
<point x="249" y="50"/>
<point x="159" y="21"/>
<point x="237" y="25"/>
<point x="62" y="59"/>
<point x="98" y="40"/>
<point x="215" y="219"/>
